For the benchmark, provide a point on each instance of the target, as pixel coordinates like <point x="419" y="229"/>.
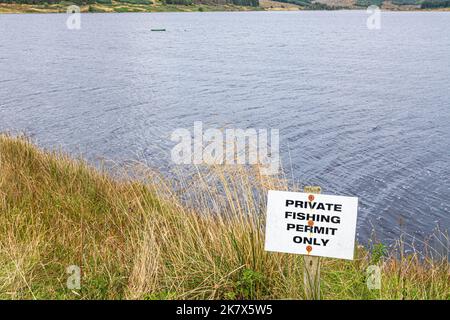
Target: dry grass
<point x="164" y="241"/>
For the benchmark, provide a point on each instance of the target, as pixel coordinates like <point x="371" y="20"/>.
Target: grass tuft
<point x="161" y="240"/>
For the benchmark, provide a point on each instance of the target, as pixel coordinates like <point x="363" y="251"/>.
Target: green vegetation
<point x="406" y="2"/>
<point x="248" y="3"/>
<point x="322" y="6"/>
<point x="141" y="241"/>
<point x="302" y="3"/>
<point x="308" y="5"/>
<point x="182" y="2"/>
<point x="435" y="4"/>
<point x="137" y="1"/>
<point x="367" y="3"/>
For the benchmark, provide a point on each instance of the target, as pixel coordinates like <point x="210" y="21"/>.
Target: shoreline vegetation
<point x="154" y="240"/>
<point x="105" y="6"/>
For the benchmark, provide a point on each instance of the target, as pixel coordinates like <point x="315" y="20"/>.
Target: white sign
<point x="311" y="224"/>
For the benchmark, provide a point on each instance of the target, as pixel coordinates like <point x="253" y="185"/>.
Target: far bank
<point x="108" y="6"/>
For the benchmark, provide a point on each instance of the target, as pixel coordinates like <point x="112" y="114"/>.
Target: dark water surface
<point x="361" y="112"/>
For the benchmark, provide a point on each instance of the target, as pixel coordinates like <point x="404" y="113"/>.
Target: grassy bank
<point x="141" y="241"/>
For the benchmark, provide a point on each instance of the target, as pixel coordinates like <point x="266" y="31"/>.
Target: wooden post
<point x="311" y="268"/>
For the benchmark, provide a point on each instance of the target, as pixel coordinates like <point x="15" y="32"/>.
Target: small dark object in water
<point x="158" y="29"/>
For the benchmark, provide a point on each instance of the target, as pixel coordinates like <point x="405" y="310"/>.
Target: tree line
<point x="435" y="4"/>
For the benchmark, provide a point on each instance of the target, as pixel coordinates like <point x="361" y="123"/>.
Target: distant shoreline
<point x="129" y="8"/>
<point x="120" y="8"/>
